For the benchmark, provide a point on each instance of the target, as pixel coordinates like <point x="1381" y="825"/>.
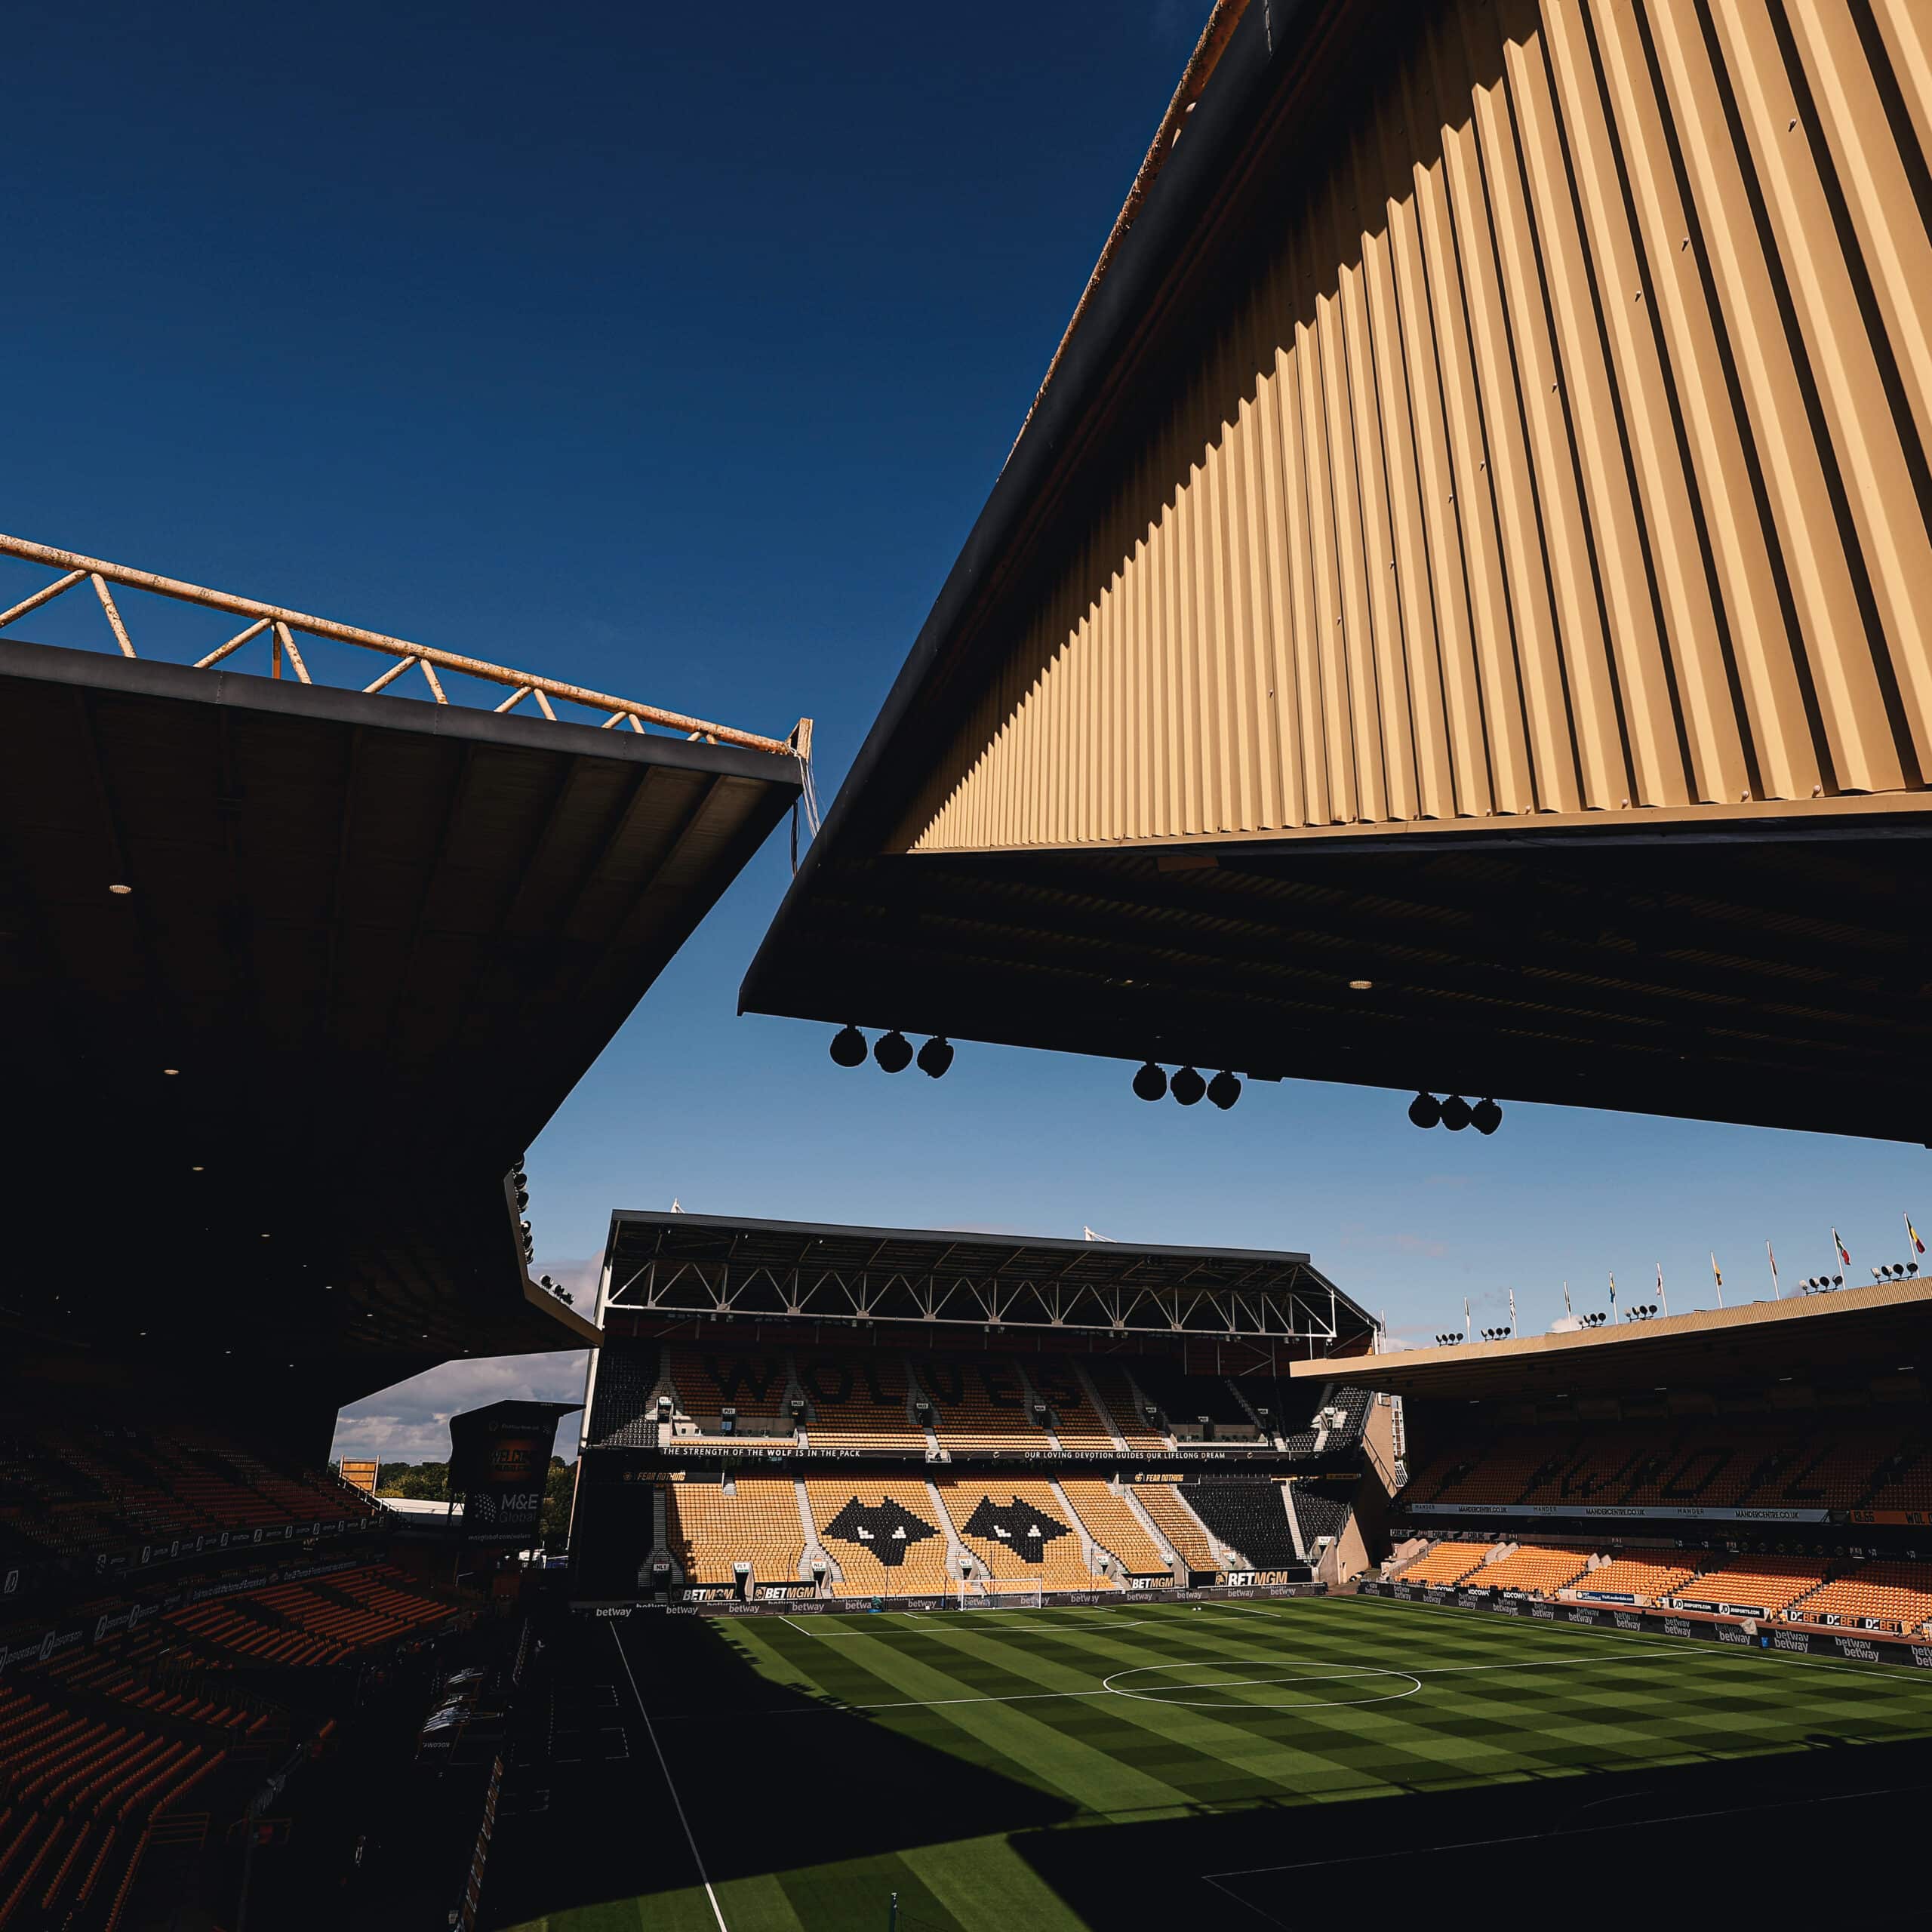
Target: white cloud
<point x="410" y="1422"/>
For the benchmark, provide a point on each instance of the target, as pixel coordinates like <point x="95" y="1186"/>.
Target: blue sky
<point x="674" y="353"/>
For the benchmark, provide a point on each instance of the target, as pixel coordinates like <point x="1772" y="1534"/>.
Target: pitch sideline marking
<point x="651" y="1729"/>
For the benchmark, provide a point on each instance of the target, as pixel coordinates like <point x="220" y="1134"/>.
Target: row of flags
<point x="1717" y="1273"/>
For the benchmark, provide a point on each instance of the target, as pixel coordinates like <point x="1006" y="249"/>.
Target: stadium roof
<point x="262" y="1104"/>
<point x="1878" y="1330"/>
<point x="1006" y="860"/>
<point x="679" y="1264"/>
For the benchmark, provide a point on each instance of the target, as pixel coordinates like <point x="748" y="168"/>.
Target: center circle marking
<point x="1298" y="1672"/>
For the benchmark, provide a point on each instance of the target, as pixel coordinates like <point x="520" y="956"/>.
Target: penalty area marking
<point x="1156" y="1693"/>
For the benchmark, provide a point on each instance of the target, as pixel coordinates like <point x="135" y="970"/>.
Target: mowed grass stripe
<point x="1211" y="1760"/>
<point x="1051" y="1759"/>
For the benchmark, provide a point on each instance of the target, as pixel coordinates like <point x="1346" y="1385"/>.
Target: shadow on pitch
<point x="1754" y="1834"/>
<point x="591" y="1818"/>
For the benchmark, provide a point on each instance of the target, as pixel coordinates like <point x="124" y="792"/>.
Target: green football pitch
<point x="1070" y="1767"/>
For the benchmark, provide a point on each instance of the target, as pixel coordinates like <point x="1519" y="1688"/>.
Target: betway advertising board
<point x="1673" y="1513"/>
<point x="1872" y="1649"/>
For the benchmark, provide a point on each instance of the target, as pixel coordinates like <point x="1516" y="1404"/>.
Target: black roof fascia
<point x="944" y="1238"/>
<point x="148" y="677"/>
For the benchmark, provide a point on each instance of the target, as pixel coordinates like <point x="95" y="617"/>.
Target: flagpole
<point x="1770" y="1255"/>
<point x="1512" y="1312"/>
<point x="1662" y="1295"/>
<point x="1466" y="1317"/>
<point x="1717" y="1275"/>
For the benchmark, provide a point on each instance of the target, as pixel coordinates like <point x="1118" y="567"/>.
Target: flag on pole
<point x="1772" y="1259"/>
<point x="1919" y="1246"/>
<point x="1466" y="1317"/>
<point x="1613" y="1291"/>
<point x="1512" y="1311"/>
<point x="1717" y="1275"/>
<point x="1845" y="1252"/>
<point x="1663" y="1298"/>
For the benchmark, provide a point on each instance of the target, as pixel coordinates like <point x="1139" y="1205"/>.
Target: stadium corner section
<point x="310" y="968"/>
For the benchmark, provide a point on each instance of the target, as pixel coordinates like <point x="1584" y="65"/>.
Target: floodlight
<point x="1425" y="1110"/>
<point x="1838" y="1281"/>
<point x="1151" y="1083"/>
<point x="848" y="1046"/>
<point x="893" y="1051"/>
<point x="1485" y="1116"/>
<point x="1224" y="1090"/>
<point x="935" y="1056"/>
<point x="1455" y="1113"/>
<point x="1187" y="1086"/>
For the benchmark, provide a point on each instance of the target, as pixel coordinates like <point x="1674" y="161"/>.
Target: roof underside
<point x="1855" y="1332"/>
<point x="1773" y="980"/>
<point x="377" y="944"/>
<point x="1023" y="853"/>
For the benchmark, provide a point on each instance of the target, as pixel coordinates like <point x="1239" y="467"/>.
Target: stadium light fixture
<point x="935" y="1056"/>
<point x="893" y="1051"/>
<point x="848" y="1046"/>
<point x="1361" y="986"/>
<point x="1456" y="1113"/>
<point x="1187" y="1086"/>
<point x="171" y="1071"/>
<point x="1485" y="1116"/>
<point x="1838" y="1281"/>
<point x="1224" y="1090"/>
<point x="120" y="891"/>
<point x="1150" y="1083"/>
<point x="1425" y="1110"/>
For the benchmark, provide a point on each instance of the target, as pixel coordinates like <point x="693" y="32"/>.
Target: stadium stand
<point x="857" y="1399"/>
<point x="1645" y="1576"/>
<point x="710" y="1531"/>
<point x="1178" y="1523"/>
<point x="1449" y="1563"/>
<point x="1185" y="1399"/>
<point x="751" y="1382"/>
<point x="1354" y="1404"/>
<point x="626" y="1374"/>
<point x="72" y="1493"/>
<point x="1896" y="1596"/>
<point x="1761" y="1585"/>
<point x="882" y="1536"/>
<point x="1247" y="1515"/>
<point x="979" y="1402"/>
<point x="1111" y="1522"/>
<point x="1536" y="1569"/>
<point x="1115" y="1386"/>
<point x="1019" y="1532"/>
<point x="1322" y="1511"/>
<point x="1289" y="1407"/>
<point x="1700" y="1462"/>
<point x="1075" y="1422"/>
